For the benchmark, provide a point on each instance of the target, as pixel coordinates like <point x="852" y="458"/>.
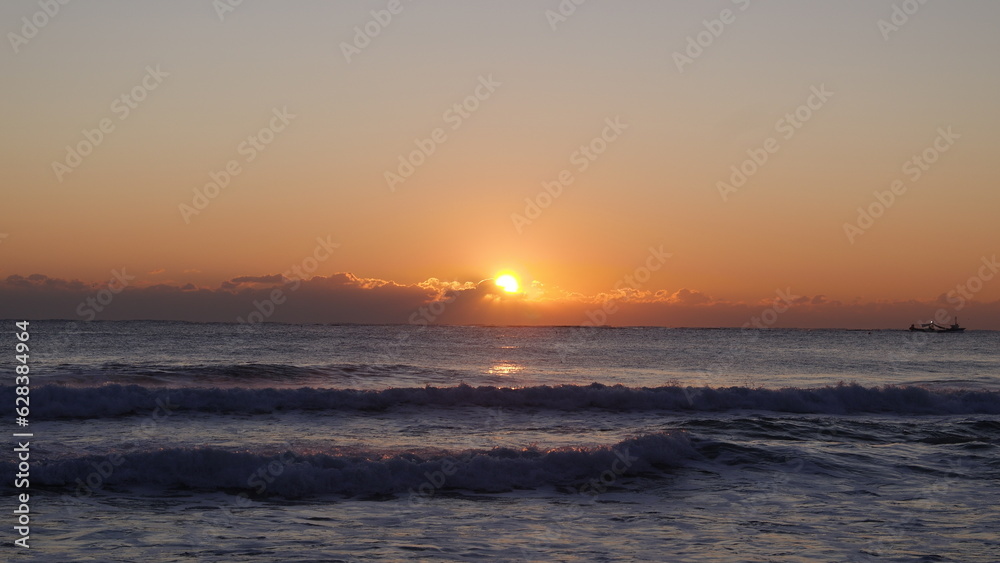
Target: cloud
<point x="445" y="289"/>
<point x="42" y="282"/>
<point x="157" y="272"/>
<point x="273" y="278"/>
<point x="689" y="297"/>
<point x="348" y="298"/>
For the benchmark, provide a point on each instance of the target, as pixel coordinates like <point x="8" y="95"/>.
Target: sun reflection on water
<point x="505" y="369"/>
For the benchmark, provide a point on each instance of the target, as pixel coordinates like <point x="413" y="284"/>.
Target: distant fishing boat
<point x="934" y="327"/>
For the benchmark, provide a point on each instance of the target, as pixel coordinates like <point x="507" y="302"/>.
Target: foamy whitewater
<point x="160" y="441"/>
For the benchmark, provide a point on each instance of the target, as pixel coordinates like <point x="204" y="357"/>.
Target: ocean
<point x="170" y="441"/>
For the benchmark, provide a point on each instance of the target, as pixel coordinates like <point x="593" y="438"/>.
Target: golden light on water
<point x="505" y="368"/>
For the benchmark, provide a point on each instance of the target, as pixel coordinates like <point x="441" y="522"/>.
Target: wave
<point x="58" y="401"/>
<point x="367" y="474"/>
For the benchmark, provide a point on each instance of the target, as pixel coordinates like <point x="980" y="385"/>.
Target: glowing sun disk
<point x="509" y="283"/>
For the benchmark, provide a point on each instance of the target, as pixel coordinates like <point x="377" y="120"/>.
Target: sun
<point x="509" y="283"/>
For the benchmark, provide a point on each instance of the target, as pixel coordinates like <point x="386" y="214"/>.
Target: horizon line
<point x="450" y="325"/>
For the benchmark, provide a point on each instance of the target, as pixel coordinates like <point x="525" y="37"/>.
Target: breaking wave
<point x="293" y="475"/>
<point x="57" y="401"/>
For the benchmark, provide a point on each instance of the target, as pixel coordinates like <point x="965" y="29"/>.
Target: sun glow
<point x="509" y="283"/>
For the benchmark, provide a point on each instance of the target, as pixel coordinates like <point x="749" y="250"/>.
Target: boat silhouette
<point x="934" y="327"/>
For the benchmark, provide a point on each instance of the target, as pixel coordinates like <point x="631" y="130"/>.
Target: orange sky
<point x="637" y="130"/>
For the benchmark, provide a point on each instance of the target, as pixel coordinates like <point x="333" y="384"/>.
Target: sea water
<point x="162" y="441"/>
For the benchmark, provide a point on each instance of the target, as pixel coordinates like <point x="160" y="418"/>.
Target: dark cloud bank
<point x="345" y="298"/>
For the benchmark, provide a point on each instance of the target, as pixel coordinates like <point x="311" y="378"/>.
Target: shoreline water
<point x="176" y="441"/>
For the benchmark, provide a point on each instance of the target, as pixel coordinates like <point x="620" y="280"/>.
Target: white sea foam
<point x="56" y="401"/>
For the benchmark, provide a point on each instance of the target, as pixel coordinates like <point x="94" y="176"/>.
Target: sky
<point x="801" y="163"/>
